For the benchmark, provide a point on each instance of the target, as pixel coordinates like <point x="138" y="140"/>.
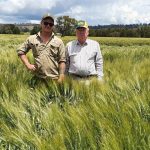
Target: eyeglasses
<point x="47" y="23"/>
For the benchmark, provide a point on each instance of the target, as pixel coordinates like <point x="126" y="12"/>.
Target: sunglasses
<point x="47" y="23"/>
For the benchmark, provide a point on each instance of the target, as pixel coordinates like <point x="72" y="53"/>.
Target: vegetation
<point x="113" y="115"/>
<point x="9" y="29"/>
<point x="121" y="31"/>
<point x="65" y="26"/>
<point x="35" y="30"/>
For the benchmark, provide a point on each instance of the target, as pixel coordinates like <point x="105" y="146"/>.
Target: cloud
<point x="24" y="10"/>
<point x="110" y="12"/>
<point x="94" y="11"/>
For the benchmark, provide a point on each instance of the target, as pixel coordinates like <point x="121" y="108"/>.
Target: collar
<point x="39" y="35"/>
<point x="78" y="43"/>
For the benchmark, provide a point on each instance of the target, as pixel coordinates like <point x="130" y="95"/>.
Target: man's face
<point x="82" y="33"/>
<point x="47" y="25"/>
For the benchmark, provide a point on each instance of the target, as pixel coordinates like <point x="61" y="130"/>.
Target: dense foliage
<point x="121" y="31"/>
<point x="65" y="26"/>
<point x="9" y="29"/>
<point x="35" y="30"/>
<point x="113" y="115"/>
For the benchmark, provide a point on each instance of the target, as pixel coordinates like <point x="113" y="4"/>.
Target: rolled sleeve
<point x="23" y="48"/>
<point x="62" y="53"/>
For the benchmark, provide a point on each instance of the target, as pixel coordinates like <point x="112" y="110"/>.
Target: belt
<point x="83" y="76"/>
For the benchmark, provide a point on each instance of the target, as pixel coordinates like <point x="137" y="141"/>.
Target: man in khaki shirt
<point x="48" y="52"/>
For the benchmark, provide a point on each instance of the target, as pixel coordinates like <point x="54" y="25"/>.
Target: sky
<point x="95" y="12"/>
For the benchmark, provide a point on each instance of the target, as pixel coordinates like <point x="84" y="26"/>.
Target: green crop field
<point x="113" y="115"/>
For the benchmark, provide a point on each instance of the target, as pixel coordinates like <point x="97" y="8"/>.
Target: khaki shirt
<point x="46" y="56"/>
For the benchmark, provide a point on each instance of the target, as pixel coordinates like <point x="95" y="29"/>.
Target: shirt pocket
<point x="73" y="57"/>
<point x="53" y="51"/>
<point x="34" y="47"/>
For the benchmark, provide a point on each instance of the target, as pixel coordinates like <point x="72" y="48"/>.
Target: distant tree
<point x="65" y="25"/>
<point x="123" y="32"/>
<point x="25" y="30"/>
<point x="16" y="30"/>
<point x="9" y="29"/>
<point x="114" y="34"/>
<point x="145" y="31"/>
<point x="132" y="30"/>
<point x="92" y="32"/>
<point x="35" y="30"/>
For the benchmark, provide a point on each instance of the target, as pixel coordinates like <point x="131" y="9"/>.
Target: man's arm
<point x="62" y="67"/>
<point x="67" y="60"/>
<point x="99" y="63"/>
<point x="26" y="62"/>
<point x="22" y="51"/>
<point x="62" y="63"/>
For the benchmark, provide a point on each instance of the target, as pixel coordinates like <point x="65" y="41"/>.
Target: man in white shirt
<point x="84" y="58"/>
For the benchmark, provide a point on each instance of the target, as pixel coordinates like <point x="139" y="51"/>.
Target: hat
<point x="81" y="24"/>
<point x="47" y="16"/>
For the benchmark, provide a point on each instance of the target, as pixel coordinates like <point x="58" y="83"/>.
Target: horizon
<point x="89" y="25"/>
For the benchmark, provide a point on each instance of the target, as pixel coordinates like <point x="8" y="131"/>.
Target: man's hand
<point x="61" y="78"/>
<point x="31" y="67"/>
<point x="26" y="62"/>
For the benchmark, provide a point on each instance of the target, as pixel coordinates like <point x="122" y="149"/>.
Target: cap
<point x="47" y="16"/>
<point x="81" y="24"/>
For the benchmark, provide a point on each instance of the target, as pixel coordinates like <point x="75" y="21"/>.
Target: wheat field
<point x="109" y="115"/>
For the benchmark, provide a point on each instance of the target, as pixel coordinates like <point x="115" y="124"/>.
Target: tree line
<point x="121" y="31"/>
<point x="9" y="29"/>
<point x="65" y="26"/>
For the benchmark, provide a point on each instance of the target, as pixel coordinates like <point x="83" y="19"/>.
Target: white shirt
<point x="84" y="59"/>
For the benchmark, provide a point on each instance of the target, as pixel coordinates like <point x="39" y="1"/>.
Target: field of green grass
<point x="113" y="115"/>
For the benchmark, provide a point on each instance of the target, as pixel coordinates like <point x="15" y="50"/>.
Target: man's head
<point x="82" y="31"/>
<point x="47" y="23"/>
